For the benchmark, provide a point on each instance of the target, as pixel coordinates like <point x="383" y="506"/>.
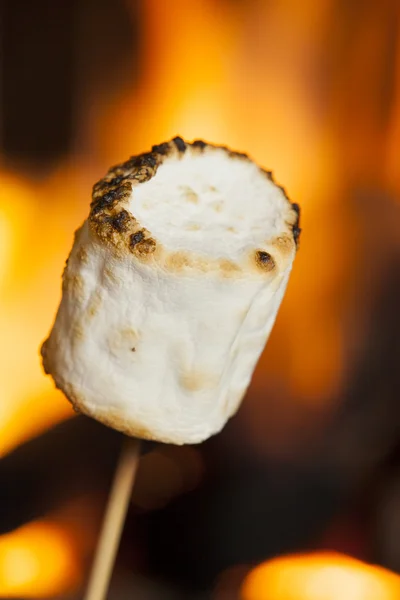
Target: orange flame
<point x="325" y="576"/>
<point x="232" y="73"/>
<point x="37" y="561"/>
<point x="33" y="249"/>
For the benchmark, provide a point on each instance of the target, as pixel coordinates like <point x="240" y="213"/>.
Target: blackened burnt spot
<point x="131" y="166"/>
<point x="161" y="148"/>
<point x="100" y="204"/>
<point x="109" y="197"/>
<point x="296" y="227"/>
<point x="106" y="185"/>
<point x="135" y="238"/>
<point x="265" y="260"/>
<point x="148" y="160"/>
<point x="120" y="221"/>
<point x="179" y="143"/>
<point x="296" y="234"/>
<point x="238" y="154"/>
<point x="296" y="208"/>
<point x="268" y="174"/>
<point x="199" y="144"/>
<point x="264" y="257"/>
<point x="107" y="200"/>
<point x="115" y="181"/>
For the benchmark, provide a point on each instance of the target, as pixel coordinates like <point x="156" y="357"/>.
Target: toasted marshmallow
<point x="171" y="290"/>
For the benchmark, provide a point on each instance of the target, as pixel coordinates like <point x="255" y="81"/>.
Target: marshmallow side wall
<point x="171" y="290"/>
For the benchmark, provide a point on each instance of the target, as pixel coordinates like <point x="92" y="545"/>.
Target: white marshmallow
<point x="171" y="290"/>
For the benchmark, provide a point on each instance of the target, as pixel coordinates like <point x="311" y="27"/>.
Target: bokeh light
<point x="320" y="576"/>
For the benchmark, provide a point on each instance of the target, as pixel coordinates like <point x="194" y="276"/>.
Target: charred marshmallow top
<point x="171" y="290"/>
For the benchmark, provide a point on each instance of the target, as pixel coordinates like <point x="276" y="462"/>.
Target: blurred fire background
<point x="311" y="90"/>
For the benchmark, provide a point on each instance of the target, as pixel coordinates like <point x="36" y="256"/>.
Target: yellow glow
<point x="6" y="235"/>
<point x="15" y="211"/>
<point x="322" y="576"/>
<point x="37" y="561"/>
<point x="33" y="249"/>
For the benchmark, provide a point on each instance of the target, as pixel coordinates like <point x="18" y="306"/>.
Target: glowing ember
<point x="37" y="561"/>
<point x="323" y="576"/>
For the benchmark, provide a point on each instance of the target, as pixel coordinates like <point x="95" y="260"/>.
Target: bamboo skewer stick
<point x="113" y="521"/>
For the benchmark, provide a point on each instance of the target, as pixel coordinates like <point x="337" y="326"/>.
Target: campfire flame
<point x="37" y="560"/>
<point x="32" y="251"/>
<point x="233" y="75"/>
<point x="323" y="576"/>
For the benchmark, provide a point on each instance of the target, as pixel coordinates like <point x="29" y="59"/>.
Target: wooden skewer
<point x="113" y="521"/>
